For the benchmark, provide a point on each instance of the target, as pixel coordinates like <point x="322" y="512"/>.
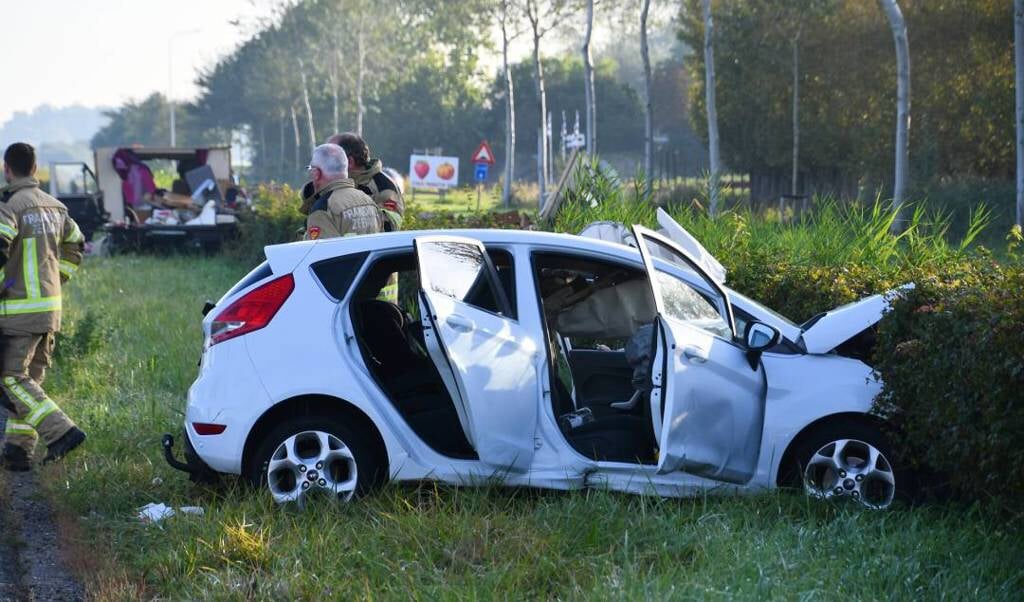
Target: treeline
<point x="962" y="95"/>
<point x="410" y="75"/>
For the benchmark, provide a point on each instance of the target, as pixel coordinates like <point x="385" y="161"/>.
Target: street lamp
<point x="170" y="75"/>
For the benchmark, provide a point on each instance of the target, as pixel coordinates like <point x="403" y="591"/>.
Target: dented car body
<point x="617" y="358"/>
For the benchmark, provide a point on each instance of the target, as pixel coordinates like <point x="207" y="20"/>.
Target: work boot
<point x="16" y="459"/>
<point x="61" y="447"/>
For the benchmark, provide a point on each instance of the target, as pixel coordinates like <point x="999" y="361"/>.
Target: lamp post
<point x="170" y="75"/>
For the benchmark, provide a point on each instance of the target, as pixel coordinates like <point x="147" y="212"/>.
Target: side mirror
<point x="759" y="338"/>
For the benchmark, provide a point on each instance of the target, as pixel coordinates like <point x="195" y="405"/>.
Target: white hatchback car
<point x="529" y="358"/>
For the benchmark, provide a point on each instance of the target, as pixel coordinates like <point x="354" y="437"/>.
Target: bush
<point x="273" y="218"/>
<point x="951" y="354"/>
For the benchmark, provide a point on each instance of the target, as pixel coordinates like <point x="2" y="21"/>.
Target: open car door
<point x="486" y="358"/>
<point x="707" y="404"/>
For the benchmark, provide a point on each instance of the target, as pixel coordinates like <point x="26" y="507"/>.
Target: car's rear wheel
<point x="849" y="460"/>
<point x="315" y="455"/>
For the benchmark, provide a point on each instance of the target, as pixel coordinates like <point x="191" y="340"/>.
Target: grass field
<point x="125" y="361"/>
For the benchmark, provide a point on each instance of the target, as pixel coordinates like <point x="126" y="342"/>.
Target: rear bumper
<point x="198" y="471"/>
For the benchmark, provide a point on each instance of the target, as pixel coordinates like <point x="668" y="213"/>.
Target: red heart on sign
<point x="422" y="168"/>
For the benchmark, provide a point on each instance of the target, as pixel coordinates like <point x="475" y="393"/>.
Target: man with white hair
<point x="337" y="207"/>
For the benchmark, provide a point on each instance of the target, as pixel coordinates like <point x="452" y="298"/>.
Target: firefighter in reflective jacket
<point x="336" y="207"/>
<point x="40" y="248"/>
<point x="369" y="177"/>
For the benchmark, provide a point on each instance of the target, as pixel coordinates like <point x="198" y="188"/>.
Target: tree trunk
<point x="645" y="54"/>
<point x="335" y="66"/>
<point x="1018" y="52"/>
<point x="298" y="141"/>
<point x="899" y="36"/>
<point x="309" y="109"/>
<point x="280" y="151"/>
<point x="709" y="89"/>
<point x="796" y="114"/>
<point x="510" y="112"/>
<point x="360" y="78"/>
<point x="588" y="82"/>
<point x="542" y="106"/>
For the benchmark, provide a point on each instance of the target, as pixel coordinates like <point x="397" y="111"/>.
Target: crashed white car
<point x="529" y="358"/>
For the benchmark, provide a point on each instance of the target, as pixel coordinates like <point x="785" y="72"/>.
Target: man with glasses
<point x="336" y="207"/>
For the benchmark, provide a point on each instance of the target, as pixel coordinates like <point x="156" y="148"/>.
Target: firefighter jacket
<point x="41" y="246"/>
<point x="341" y="210"/>
<point x="379" y="187"/>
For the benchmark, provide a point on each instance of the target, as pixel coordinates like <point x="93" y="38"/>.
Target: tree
<point x="899" y="36"/>
<point x="709" y="87"/>
<point x="506" y="16"/>
<point x="645" y="54"/>
<point x="1018" y="50"/>
<point x="588" y="81"/>
<point x="543" y="16"/>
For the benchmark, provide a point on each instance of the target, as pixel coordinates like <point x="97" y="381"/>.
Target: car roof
<point x="287" y="256"/>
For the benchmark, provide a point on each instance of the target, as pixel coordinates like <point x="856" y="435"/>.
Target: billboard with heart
<point x="432" y="171"/>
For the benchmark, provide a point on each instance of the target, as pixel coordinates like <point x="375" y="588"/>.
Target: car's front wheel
<point x="852" y="461"/>
<point x="313" y="455"/>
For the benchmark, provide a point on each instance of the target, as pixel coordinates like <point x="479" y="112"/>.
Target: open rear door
<point x="708" y="404"/>
<point x="489" y="362"/>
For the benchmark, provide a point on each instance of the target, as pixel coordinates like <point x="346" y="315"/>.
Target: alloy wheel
<point x="311" y="461"/>
<point x="849" y="468"/>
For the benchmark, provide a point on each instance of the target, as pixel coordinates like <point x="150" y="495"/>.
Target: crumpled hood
<point x="828" y="330"/>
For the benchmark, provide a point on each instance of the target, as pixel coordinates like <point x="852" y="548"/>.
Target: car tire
<point x="835" y="461"/>
<point x="346" y="447"/>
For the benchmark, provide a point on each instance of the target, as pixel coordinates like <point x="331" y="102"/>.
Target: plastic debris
<point x="154" y="513"/>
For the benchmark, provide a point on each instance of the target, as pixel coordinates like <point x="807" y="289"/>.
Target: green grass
<point x="129" y="353"/>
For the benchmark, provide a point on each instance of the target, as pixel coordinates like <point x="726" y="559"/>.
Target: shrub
<point x="951" y="354"/>
<point x="273" y="218"/>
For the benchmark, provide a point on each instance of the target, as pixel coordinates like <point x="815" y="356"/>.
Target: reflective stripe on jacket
<point x="42" y="246"/>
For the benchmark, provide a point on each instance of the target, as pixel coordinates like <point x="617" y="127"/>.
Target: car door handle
<point x="459" y="323"/>
<point x="695" y="354"/>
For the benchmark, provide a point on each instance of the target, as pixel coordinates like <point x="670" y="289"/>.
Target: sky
<point x="104" y="52"/>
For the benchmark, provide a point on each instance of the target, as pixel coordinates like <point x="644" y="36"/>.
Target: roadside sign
<point x="433" y="171"/>
<point x="575" y="140"/>
<point x="484" y="154"/>
<point x="480" y="174"/>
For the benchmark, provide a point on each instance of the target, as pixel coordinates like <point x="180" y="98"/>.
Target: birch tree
<point x="506" y="16"/>
<point x="309" y="107"/>
<point x="645" y="55"/>
<point x="899" y="36"/>
<point x="588" y="80"/>
<point x="542" y="16"/>
<point x="714" y="158"/>
<point x="1018" y="53"/>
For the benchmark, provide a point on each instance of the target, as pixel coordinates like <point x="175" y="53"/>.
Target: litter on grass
<point x="154" y="513"/>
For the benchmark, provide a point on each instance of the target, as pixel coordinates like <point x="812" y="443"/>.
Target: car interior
<point x="598" y="318"/>
<point x="390" y="337"/>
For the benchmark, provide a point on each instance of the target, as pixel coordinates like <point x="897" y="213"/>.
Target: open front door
<point x="708" y="404"/>
<point x="488" y="361"/>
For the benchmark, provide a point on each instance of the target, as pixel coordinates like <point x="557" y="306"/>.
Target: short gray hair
<point x="331" y="160"/>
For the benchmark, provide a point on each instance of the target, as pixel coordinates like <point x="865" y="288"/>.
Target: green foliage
<point x="952" y="358"/>
<point x="961" y="82"/>
<point x="273" y="219"/>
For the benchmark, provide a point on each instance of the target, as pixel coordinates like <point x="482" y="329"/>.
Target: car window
<point x="460" y="271"/>
<point x="684" y="303"/>
<point x="682" y="299"/>
<point x="336" y="274"/>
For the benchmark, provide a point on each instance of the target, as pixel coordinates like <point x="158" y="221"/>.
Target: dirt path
<point x="31" y="566"/>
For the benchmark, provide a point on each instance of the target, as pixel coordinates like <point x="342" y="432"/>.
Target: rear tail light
<point x="253" y="311"/>
<point x="208" y="428"/>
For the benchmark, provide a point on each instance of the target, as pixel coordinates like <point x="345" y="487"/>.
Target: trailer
<point x="120" y="198"/>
